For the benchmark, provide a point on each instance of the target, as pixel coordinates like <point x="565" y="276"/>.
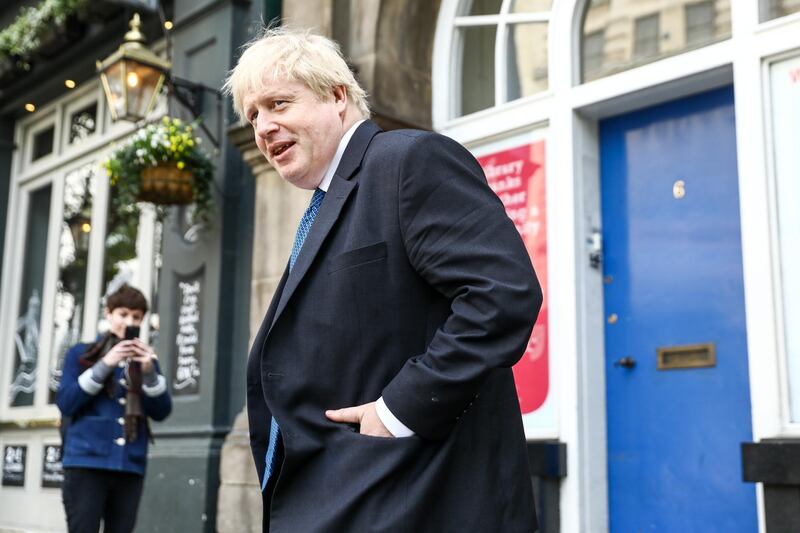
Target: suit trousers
<point x="91" y="495"/>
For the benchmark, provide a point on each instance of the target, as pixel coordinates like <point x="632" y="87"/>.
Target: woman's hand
<point x="118" y="353"/>
<point x="142" y="353"/>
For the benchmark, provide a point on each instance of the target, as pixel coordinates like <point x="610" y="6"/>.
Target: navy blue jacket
<point x="95" y="436"/>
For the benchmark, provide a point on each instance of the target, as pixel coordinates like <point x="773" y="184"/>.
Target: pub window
<point x="500" y="51"/>
<point x="43" y="143"/>
<point x="772" y="9"/>
<point x="635" y="33"/>
<point x="83" y="123"/>
<point x="75" y="242"/>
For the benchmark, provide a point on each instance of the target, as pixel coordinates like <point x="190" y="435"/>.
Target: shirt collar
<point x="337" y="157"/>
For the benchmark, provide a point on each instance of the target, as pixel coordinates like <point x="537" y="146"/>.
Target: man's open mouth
<point x="280" y="148"/>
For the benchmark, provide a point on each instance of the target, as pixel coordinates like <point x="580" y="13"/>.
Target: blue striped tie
<point x="299" y="239"/>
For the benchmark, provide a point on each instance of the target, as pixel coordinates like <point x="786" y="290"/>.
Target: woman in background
<point x="108" y="390"/>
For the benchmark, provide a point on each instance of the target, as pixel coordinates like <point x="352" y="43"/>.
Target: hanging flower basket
<point x="166" y="185"/>
<point x="164" y="164"/>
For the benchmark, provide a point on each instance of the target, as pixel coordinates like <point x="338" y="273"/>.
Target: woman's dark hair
<point x="125" y="296"/>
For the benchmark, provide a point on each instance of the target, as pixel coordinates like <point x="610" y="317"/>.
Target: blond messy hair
<point x="292" y="55"/>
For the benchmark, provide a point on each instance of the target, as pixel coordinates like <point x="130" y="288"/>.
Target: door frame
<point x="591" y="464"/>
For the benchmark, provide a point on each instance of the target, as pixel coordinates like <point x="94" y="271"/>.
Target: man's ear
<point x="340" y="97"/>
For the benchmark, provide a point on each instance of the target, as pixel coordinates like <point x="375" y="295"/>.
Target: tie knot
<point x="317" y="197"/>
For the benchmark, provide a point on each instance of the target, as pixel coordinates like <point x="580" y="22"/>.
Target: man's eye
<point x="253" y="116"/>
<point x="277" y="104"/>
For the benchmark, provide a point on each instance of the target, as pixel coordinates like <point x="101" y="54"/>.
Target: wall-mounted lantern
<point x="132" y="76"/>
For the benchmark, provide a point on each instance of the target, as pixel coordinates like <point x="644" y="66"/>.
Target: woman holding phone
<point x="108" y="391"/>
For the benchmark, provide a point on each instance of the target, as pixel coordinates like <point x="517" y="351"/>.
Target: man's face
<point x="296" y="131"/>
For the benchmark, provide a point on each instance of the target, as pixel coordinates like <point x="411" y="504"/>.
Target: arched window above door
<point x="619" y="35"/>
<point x="498" y="53"/>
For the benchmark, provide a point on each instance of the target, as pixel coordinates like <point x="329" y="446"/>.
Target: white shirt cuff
<point x="156" y="390"/>
<point x="395" y="427"/>
<point x="89" y="385"/>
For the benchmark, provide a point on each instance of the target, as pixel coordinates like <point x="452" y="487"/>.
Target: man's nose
<point x="265" y="126"/>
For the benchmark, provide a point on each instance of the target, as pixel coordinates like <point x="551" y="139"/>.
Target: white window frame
<point x="448" y="49"/>
<point x="52" y="169"/>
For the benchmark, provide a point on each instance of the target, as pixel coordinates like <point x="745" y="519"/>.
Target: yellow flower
<point x="165" y="120"/>
<point x="181" y="164"/>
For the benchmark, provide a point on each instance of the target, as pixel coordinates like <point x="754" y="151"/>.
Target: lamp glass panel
<point x="115" y="94"/>
<point x="141" y="81"/>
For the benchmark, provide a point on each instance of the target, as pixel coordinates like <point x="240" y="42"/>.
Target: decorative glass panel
<point x="120" y="262"/>
<point x="772" y="9"/>
<point x="82" y="123"/>
<point x="530" y="6"/>
<point x="482" y="7"/>
<point x="43" y="143"/>
<point x="73" y="255"/>
<point x="635" y="33"/>
<point x="526" y="58"/>
<point x="477" y="68"/>
<point x="26" y="329"/>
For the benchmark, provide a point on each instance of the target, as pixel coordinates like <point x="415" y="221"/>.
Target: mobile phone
<point x="131" y="332"/>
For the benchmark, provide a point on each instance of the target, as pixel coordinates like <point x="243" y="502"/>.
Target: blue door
<point x="678" y="398"/>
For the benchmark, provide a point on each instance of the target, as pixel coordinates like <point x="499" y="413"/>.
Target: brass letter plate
<point x="689" y="356"/>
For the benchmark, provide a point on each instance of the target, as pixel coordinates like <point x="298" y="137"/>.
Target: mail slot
<point x="689" y="356"/>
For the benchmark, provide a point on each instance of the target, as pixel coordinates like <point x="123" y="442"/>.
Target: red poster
<point x="517" y="175"/>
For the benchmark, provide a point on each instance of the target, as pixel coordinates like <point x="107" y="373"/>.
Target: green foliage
<point x="23" y="36"/>
<point x="169" y="141"/>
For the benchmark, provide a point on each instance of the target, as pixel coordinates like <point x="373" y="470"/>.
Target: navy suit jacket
<point x="414" y="285"/>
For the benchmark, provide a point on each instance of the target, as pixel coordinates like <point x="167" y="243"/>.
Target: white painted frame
<point x="27" y="175"/>
<point x="571" y="111"/>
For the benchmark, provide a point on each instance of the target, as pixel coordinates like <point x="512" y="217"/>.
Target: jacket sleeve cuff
<point x="87" y="384"/>
<point x="158" y="389"/>
<point x="392" y="423"/>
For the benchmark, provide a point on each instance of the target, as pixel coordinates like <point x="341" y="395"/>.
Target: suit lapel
<point x="339" y="191"/>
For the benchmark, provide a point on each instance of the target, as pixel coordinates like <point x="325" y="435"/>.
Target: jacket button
<point x="122" y="401"/>
<point x="120" y="441"/>
<point x="121" y="421"/>
<point x="122" y="381"/>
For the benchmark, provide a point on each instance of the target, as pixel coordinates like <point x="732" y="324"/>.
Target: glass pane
<point x="646" y="37"/>
<point x="477" y="68"/>
<point x="530" y="6"/>
<point x="120" y="262"/>
<point x="158" y="261"/>
<point x="593" y="53"/>
<point x="26" y="329"/>
<point x="629" y="34"/>
<point x="73" y="254"/>
<point x="526" y="59"/>
<point x="785" y="96"/>
<point x="114" y="78"/>
<point x="480" y="7"/>
<point x="772" y="9"/>
<point x="43" y="143"/>
<point x="83" y="123"/>
<point x="141" y="82"/>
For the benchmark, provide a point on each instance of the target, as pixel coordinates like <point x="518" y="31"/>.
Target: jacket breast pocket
<point x="358" y="256"/>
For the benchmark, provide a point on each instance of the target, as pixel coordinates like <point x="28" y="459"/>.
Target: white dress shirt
<point x="395" y="427"/>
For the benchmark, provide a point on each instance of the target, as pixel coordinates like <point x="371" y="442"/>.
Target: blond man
<point x="379" y="389"/>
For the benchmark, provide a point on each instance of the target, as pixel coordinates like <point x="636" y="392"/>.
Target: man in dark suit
<point x="379" y="387"/>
